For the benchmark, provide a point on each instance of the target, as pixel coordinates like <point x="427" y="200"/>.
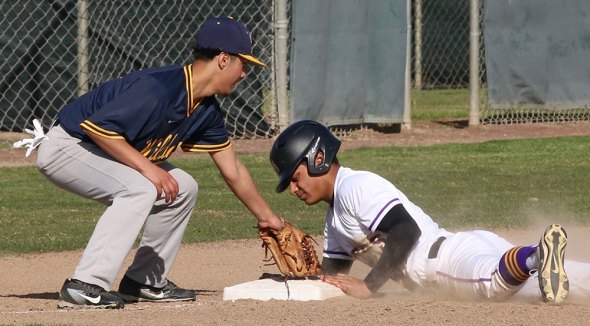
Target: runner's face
<point x="307" y="188"/>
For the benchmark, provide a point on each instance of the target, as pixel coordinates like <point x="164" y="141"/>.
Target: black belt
<point x="435" y="247"/>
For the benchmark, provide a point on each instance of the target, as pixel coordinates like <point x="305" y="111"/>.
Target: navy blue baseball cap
<point x="228" y="35"/>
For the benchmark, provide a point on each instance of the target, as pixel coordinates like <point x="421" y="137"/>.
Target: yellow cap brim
<point x="253" y="60"/>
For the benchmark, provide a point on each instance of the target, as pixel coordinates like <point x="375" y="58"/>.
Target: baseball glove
<point x="292" y="250"/>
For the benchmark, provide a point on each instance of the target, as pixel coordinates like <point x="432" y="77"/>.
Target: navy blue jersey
<point x="153" y="110"/>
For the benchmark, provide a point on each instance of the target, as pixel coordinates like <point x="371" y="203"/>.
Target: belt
<point x="433" y="253"/>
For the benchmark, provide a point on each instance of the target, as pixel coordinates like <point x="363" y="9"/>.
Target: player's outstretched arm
<point x="402" y="234"/>
<point x="240" y="182"/>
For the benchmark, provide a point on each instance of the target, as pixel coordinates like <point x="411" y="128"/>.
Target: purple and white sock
<point x="513" y="264"/>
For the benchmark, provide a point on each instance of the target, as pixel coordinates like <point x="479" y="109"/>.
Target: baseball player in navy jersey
<point x="111" y="145"/>
<point x="370" y="220"/>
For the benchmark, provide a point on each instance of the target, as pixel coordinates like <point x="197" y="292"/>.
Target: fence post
<point x="418" y="42"/>
<point x="474" y="82"/>
<point x="407" y="118"/>
<point x="281" y="37"/>
<point x="82" y="40"/>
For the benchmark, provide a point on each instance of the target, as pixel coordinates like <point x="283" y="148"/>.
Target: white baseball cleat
<point x="553" y="280"/>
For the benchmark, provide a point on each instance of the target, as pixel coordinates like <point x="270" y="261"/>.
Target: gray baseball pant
<point x="86" y="170"/>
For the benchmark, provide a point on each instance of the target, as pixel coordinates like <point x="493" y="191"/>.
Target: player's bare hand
<point x="274" y="222"/>
<point x="349" y="285"/>
<point x="166" y="185"/>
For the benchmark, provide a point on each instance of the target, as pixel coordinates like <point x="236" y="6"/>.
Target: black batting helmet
<point x="302" y="140"/>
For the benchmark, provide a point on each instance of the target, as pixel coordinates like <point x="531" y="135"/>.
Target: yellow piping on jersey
<point x="91" y="127"/>
<point x="188" y="78"/>
<point x="206" y="148"/>
<point x="188" y="83"/>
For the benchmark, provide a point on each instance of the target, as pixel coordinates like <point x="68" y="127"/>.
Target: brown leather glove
<point x="292" y="251"/>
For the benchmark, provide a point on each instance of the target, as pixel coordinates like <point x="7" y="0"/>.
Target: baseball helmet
<point x="302" y="141"/>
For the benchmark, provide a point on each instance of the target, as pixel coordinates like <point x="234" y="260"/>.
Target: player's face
<point x="232" y="74"/>
<point x="307" y="188"/>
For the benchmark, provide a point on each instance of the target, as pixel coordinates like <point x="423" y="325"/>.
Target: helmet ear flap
<point x="313" y="167"/>
<point x="328" y="147"/>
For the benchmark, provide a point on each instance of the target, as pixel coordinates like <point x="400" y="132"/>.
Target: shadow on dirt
<point x="41" y="295"/>
<point x="207" y="292"/>
<point x="457" y="123"/>
<point x="55" y="295"/>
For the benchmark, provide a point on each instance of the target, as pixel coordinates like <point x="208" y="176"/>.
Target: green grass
<point x="492" y="185"/>
<point x="441" y="104"/>
<point x="495" y="184"/>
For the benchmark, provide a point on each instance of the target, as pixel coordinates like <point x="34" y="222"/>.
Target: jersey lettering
<point x="160" y="149"/>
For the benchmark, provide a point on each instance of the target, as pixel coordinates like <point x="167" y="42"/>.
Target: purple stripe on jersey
<point x="381" y="212"/>
<point x="464" y="280"/>
<point x="336" y="253"/>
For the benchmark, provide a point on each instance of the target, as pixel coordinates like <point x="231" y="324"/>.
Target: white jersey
<point x="361" y="200"/>
<point x="467" y="262"/>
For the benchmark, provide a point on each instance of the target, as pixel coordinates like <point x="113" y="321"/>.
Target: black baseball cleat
<point x="78" y="294"/>
<point x="553" y="281"/>
<point x="132" y="291"/>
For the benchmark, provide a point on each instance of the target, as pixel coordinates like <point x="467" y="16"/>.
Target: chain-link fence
<point x="571" y="106"/>
<point x="440" y="44"/>
<point x="54" y="50"/>
<point x="57" y="49"/>
<point x="441" y="64"/>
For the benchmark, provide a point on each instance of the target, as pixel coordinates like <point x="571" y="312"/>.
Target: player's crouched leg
<point x="188" y="187"/>
<point x="146" y="278"/>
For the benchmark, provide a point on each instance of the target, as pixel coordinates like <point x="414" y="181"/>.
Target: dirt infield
<point x="30" y="282"/>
